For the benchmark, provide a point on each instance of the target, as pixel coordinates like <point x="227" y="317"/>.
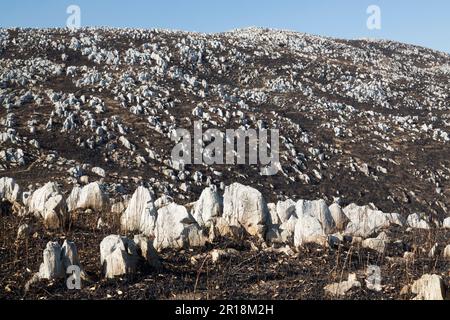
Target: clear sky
<point x="422" y="22"/>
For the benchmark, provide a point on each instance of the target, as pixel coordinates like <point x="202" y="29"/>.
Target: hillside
<point x="364" y="127"/>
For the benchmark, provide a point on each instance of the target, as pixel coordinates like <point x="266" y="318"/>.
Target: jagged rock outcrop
<point x="140" y="214"/>
<point x="429" y="287"/>
<point x="176" y="228"/>
<point x="339" y="217"/>
<point x="285" y="209"/>
<point x="48" y="203"/>
<point x="52" y="267"/>
<point x="208" y="207"/>
<point x="365" y="221"/>
<point x="287" y="230"/>
<point x="118" y="256"/>
<point x="415" y="221"/>
<point x="9" y="190"/>
<point x="244" y="207"/>
<point x="57" y="259"/>
<point x="69" y="253"/>
<point x="90" y="196"/>
<point x="314" y="222"/>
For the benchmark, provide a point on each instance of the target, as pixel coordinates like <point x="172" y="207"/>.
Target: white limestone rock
<point x="208" y="207"/>
<point x="429" y="287"/>
<point x="446" y="223"/>
<point x="119" y="207"/>
<point x="217" y="254"/>
<point x="447" y="253"/>
<point x="69" y="254"/>
<point x="244" y="207"/>
<point x="52" y="267"/>
<point x="177" y="229"/>
<point x="314" y="223"/>
<point x="396" y="219"/>
<point x="285" y="209"/>
<point x="273" y="215"/>
<point x="308" y="229"/>
<point x="287" y="230"/>
<point x="99" y="171"/>
<point x="140" y="214"/>
<point x="365" y="221"/>
<point x="163" y="201"/>
<point x="48" y="203"/>
<point x="377" y="244"/>
<point x="23" y="231"/>
<point x="9" y="190"/>
<point x="57" y="259"/>
<point x="415" y="221"/>
<point x="118" y="256"/>
<point x="339" y="217"/>
<point x="319" y="210"/>
<point x="90" y="196"/>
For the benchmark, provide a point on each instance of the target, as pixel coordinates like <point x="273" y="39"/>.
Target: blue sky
<point x="421" y="22"/>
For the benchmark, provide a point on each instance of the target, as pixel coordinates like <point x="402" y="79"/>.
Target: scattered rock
<point x="446" y="223"/>
<point x="24" y="231"/>
<point x="373" y="278"/>
<point x="432" y="252"/>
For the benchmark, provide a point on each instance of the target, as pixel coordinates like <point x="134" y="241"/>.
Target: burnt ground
<point x="380" y="94"/>
<point x="190" y="274"/>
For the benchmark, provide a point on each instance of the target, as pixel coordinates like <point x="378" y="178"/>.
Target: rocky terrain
<point x="358" y="209"/>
